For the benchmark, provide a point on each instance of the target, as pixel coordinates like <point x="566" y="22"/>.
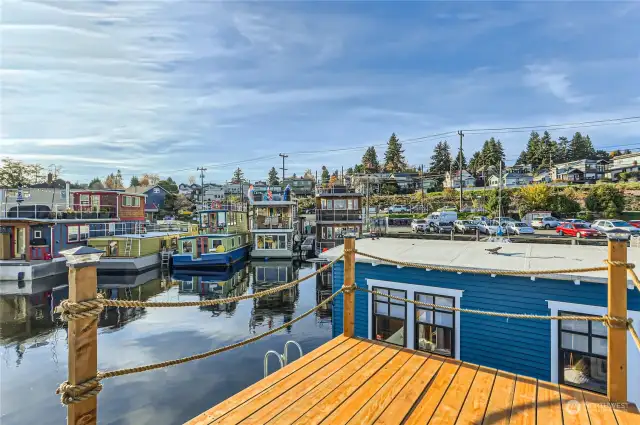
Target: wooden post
<point x="83" y="343"/>
<point x="617" y="307"/>
<point x="349" y="281"/>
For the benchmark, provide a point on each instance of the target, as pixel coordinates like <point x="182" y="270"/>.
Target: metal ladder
<point x="127" y="247"/>
<point x="165" y="257"/>
<point x="282" y="358"/>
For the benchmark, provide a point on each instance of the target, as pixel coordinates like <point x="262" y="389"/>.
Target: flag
<point x="269" y="194"/>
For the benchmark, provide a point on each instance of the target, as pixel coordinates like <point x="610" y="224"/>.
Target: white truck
<point x="442" y="217"/>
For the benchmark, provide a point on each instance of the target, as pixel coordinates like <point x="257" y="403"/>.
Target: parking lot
<point x="540" y="233"/>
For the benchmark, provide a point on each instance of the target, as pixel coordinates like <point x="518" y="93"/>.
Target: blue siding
<point x="155" y="200"/>
<point x="514" y="345"/>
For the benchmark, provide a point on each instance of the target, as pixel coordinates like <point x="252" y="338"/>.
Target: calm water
<point x="34" y="342"/>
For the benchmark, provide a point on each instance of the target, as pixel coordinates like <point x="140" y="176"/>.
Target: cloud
<point x="158" y="86"/>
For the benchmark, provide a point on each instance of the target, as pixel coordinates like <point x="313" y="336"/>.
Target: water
<point x="33" y="341"/>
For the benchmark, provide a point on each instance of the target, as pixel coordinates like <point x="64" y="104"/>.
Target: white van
<point x="444" y="217"/>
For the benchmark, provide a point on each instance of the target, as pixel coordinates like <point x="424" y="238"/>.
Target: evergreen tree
<point x="134" y="181"/>
<point x="272" y="179"/>
<point x="349" y="171"/>
<point x="359" y="168"/>
<point x="547" y="150"/>
<point x="96" y="184"/>
<point x="534" y="150"/>
<point x="580" y="147"/>
<point x="456" y="160"/>
<point x="441" y="159"/>
<point x="492" y="153"/>
<point x="118" y="183"/>
<point x="325" y="175"/>
<point x="561" y="150"/>
<point x="394" y="160"/>
<point x="474" y="163"/>
<point x="522" y="159"/>
<point x="370" y="160"/>
<point x="601" y="154"/>
<point x="238" y="176"/>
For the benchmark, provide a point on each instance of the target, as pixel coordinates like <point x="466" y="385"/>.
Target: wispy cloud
<point x="557" y="83"/>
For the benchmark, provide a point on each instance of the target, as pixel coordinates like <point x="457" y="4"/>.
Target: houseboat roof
<point x="211" y="235"/>
<point x="272" y="203"/>
<point x="8" y="220"/>
<point x="473" y="255"/>
<point x="140" y="235"/>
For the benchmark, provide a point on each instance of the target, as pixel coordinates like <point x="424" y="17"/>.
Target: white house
<point x="453" y="180"/>
<point x="511" y="180"/>
<point x="543" y="176"/>
<point x="622" y="164"/>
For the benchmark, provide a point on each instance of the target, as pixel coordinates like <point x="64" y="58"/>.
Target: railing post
<point x="349" y="296"/>
<point x="617" y="308"/>
<point x="82" y="333"/>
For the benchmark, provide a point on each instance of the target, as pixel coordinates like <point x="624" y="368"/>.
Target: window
<point x="156" y="190"/>
<point x="435" y="327"/>
<point x="187" y="246"/>
<point x="73" y="234"/>
<point x="130" y="201"/>
<point x="37" y="234"/>
<point x="340" y="204"/>
<point x="329" y="204"/>
<point x="329" y="232"/>
<point x="583" y="354"/>
<point x="84" y="200"/>
<point x="389" y="317"/>
<point x="84" y="232"/>
<point x="272" y="242"/>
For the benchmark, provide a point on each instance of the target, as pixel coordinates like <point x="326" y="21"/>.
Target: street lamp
<point x="82" y="256"/>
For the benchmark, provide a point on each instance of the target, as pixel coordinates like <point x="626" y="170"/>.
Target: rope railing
<point x="78" y="310"/>
<point x="71" y="394"/>
<point x="457" y="269"/>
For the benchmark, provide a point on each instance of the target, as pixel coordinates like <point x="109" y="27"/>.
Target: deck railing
<point x="339" y="215"/>
<point x="83" y="308"/>
<point x="58" y="211"/>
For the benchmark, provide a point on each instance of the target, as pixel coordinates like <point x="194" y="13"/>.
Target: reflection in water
<point x="34" y="341"/>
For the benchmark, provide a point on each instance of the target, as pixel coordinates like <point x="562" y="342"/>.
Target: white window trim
<point x="410" y="319"/>
<point x="633" y="355"/>
<point x="37" y="234"/>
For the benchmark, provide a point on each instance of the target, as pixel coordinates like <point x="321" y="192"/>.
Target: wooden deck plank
<point x="250" y="392"/>
<point x="306" y="402"/>
<point x="324" y="407"/>
<point x="600" y="411"/>
<point x="274" y="407"/>
<point x="574" y="409"/>
<point x="434" y="393"/>
<point x="626" y="414"/>
<point x="242" y="411"/>
<point x="477" y="400"/>
<point x="449" y="408"/>
<point x="395" y="413"/>
<point x="549" y="405"/>
<point x="343" y="413"/>
<point x="501" y="399"/>
<point x="379" y="402"/>
<point x="523" y="409"/>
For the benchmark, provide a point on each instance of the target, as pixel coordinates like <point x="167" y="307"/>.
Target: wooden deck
<point x="355" y="381"/>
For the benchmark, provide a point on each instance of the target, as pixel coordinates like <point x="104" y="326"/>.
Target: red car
<point x="634" y="223"/>
<point x="578" y="230"/>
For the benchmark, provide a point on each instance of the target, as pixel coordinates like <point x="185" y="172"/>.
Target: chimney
<point x="49" y="178"/>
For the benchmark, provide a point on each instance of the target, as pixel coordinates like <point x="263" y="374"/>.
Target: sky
<point x="167" y="86"/>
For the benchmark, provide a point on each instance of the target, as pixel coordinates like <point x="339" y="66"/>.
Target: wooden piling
<point x="349" y="281"/>
<point x="83" y="343"/>
<point x="617" y="308"/>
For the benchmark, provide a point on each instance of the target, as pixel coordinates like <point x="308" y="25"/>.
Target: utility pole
<point x="460" y="166"/>
<point x="202" y="170"/>
<point x="283" y="169"/>
<point x="500" y="193"/>
<point x="422" y="186"/>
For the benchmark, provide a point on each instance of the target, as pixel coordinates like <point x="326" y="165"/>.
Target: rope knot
<point x="72" y="394"/>
<point x="615" y="322"/>
<point x="348" y="289"/>
<point x="624" y="264"/>
<point x="83" y="310"/>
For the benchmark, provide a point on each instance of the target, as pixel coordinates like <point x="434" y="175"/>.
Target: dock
<point x="357" y="381"/>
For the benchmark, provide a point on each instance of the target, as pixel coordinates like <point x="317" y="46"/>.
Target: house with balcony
<point x="579" y="171"/>
<point x="367" y="183"/>
<point x="300" y="186"/>
<point x="338" y="213"/>
<point x="452" y="180"/>
<point x="622" y="164"/>
<point x="511" y="180"/>
<point x="274" y="225"/>
<point x="36" y="224"/>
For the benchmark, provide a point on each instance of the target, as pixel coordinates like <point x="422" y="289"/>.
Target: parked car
<point x="532" y="216"/>
<point x="419" y="225"/>
<point x="419" y="209"/>
<point x="545" y="223"/>
<point x="394" y="209"/>
<point x="579" y="230"/>
<point x="489" y="227"/>
<point x="519" y="228"/>
<point x="440" y="217"/>
<point x="440" y="227"/>
<point x="577" y="221"/>
<point x="634" y="223"/>
<point x="606" y="226"/>
<point x="464" y="226"/>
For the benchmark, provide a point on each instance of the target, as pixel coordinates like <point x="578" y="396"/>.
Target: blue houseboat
<point x="224" y="239"/>
<point x="567" y="352"/>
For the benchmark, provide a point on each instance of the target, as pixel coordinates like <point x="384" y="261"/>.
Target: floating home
<point x="573" y="353"/>
<point x="33" y="232"/>
<point x="274" y="225"/>
<point x="338" y="213"/>
<point x="223" y="240"/>
<point x="136" y="253"/>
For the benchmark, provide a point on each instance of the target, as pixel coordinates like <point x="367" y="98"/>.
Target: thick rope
<point x="609" y="321"/>
<point x="75" y="393"/>
<point x="633" y="333"/>
<point x="92" y="308"/>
